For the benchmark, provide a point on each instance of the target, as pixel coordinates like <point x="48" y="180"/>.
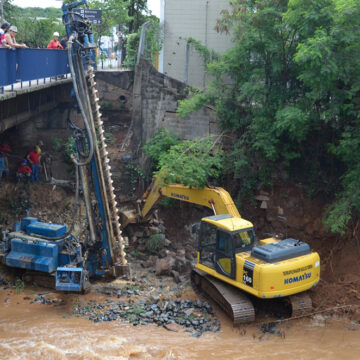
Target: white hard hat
<point x="56" y="33"/>
<point x="13" y="28"/>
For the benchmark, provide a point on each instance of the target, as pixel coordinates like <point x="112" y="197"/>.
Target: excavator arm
<point x="215" y="198"/>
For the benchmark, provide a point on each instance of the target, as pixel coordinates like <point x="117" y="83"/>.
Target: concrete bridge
<point x="134" y="106"/>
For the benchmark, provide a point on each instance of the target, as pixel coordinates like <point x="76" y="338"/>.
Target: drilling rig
<point x="52" y="251"/>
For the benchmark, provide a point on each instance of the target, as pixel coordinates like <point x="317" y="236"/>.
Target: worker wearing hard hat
<point x="55" y="43"/>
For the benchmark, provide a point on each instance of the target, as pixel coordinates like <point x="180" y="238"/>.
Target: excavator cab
<point x="219" y="242"/>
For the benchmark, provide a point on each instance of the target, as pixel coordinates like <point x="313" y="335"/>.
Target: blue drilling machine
<point x="51" y="251"/>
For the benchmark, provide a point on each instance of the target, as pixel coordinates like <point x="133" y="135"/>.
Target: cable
<point x="81" y="105"/>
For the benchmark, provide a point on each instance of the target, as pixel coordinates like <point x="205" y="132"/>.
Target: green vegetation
<point x="206" y="54"/>
<point x="37" y="12"/>
<point x="19" y="286"/>
<point x="138" y="310"/>
<point x="158" y="145"/>
<point x="293" y="102"/>
<point x="57" y="144"/>
<point x="69" y="149"/>
<point x="155" y="243"/>
<point x="109" y="137"/>
<point x="75" y="305"/>
<point x="191" y="162"/>
<point x="153" y="44"/>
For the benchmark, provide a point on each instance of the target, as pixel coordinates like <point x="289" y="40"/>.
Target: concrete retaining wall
<point x="155" y="102"/>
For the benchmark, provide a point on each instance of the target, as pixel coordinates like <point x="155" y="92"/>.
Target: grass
<point x="138" y="310"/>
<point x="155" y="243"/>
<point x="19" y="286"/>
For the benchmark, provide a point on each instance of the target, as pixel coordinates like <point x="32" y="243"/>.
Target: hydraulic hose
<point x="81" y="105"/>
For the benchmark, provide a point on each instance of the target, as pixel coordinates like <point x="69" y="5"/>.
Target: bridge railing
<point x="31" y="64"/>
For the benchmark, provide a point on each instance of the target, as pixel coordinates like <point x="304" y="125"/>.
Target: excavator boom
<point x="215" y="198"/>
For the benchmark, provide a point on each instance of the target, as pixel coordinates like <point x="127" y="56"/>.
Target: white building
<point x="181" y="19"/>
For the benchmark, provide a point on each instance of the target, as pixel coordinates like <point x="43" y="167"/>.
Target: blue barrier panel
<point x="8" y="67"/>
<point x="41" y="63"/>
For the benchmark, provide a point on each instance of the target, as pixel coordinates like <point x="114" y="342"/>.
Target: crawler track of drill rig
<point x="236" y="304"/>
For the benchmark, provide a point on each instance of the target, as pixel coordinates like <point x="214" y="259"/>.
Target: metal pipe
<point x="186" y="77"/>
<point x="206" y="34"/>
<point x="142" y="41"/>
<point x="206" y="22"/>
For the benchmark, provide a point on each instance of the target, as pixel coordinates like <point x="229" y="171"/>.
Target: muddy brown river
<point x="37" y="331"/>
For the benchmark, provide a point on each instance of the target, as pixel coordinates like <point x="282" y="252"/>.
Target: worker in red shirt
<point x="6" y="150"/>
<point x="55" y="43"/>
<point x="23" y="171"/>
<point x="33" y="158"/>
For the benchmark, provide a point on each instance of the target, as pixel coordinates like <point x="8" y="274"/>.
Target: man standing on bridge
<point x="55" y="43"/>
<point x="10" y="38"/>
<point x="4" y="28"/>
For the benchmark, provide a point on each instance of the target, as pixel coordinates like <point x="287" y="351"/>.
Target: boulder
<point x="155" y="222"/>
<point x="164" y="266"/>
<point x="143" y="256"/>
<point x="163" y="253"/>
<point x="139" y="234"/>
<point x="133" y="240"/>
<point x="162" y="228"/>
<point x="182" y="265"/>
<point x="154" y="230"/>
<point x="180" y="253"/>
<point x="176" y="276"/>
<point x="141" y="247"/>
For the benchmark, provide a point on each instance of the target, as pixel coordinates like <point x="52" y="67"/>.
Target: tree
<point x="37" y="33"/>
<point x="192" y="163"/>
<point x="7" y="10"/>
<point x="153" y="44"/>
<point x="293" y="99"/>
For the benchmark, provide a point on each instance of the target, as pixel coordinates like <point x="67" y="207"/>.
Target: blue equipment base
<point x="41" y="256"/>
<point x="70" y="279"/>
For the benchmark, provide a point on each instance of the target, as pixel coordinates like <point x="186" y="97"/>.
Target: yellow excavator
<point x="230" y="258"/>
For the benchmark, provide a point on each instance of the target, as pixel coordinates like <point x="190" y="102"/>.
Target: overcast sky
<point x="153" y="5"/>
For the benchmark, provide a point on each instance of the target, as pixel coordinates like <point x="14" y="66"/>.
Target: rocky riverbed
<point x="195" y="317"/>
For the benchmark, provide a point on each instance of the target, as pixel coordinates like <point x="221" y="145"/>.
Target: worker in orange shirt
<point x="55" y="43"/>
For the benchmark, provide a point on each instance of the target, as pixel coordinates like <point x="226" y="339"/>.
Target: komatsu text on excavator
<point x="232" y="265"/>
<point x="51" y="251"/>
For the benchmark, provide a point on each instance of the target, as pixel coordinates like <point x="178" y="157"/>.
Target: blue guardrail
<point x="31" y="64"/>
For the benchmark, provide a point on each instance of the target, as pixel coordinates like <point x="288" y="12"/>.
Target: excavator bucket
<point x="127" y="216"/>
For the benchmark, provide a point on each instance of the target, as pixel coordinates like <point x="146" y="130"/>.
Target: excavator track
<point x="235" y="304"/>
<point x="301" y="304"/>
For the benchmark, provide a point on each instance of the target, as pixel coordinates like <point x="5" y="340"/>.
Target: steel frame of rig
<point x="51" y="249"/>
